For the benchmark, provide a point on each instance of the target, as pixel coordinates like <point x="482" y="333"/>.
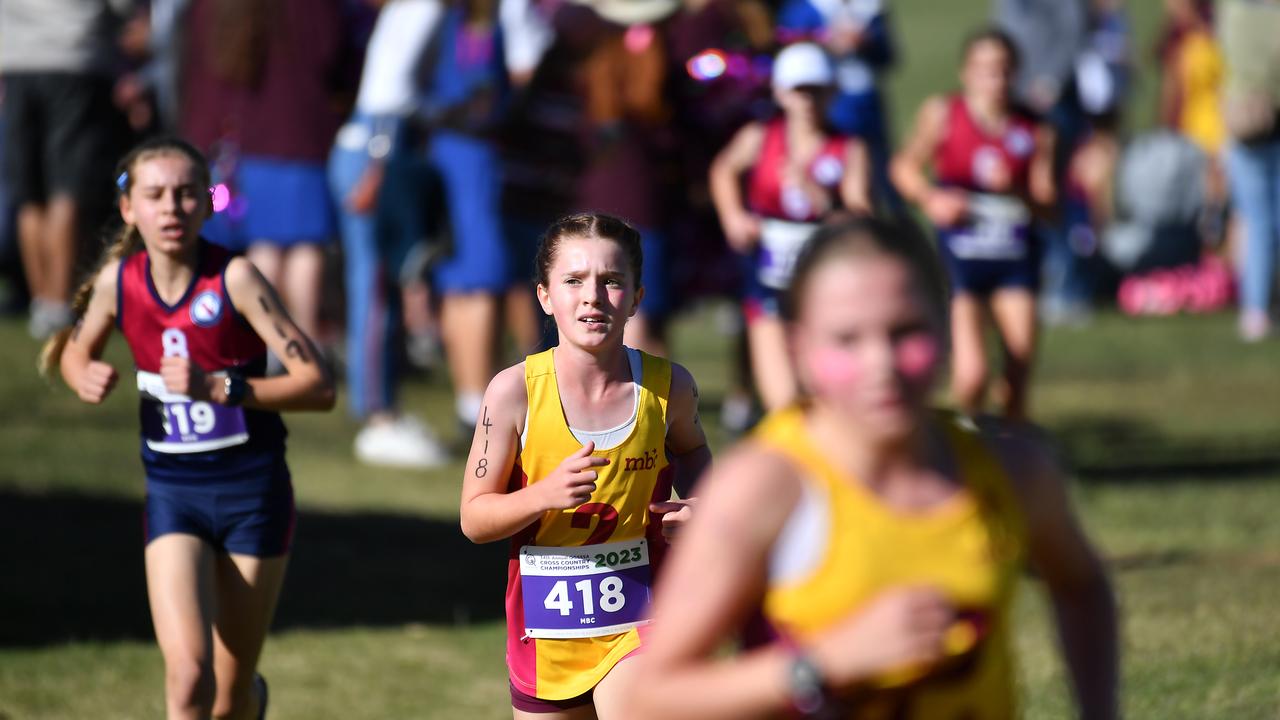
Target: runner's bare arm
<point x="307" y="383"/>
<point x="687" y="445"/>
<point x="907" y="168"/>
<point x="685" y="437"/>
<point x="1043" y="189"/>
<point x="489" y="512"/>
<point x="706" y="593"/>
<point x="1083" y="603"/>
<point x="81" y="369"/>
<point x="742" y="152"/>
<point x="855" y="186"/>
<point x="490" y="509"/>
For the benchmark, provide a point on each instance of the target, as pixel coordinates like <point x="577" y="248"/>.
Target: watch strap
<point x="235" y="387"/>
<point x="808" y="693"/>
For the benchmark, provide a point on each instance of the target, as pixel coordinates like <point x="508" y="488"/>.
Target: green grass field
<point x="1172" y="428"/>
<point x="1171" y="425"/>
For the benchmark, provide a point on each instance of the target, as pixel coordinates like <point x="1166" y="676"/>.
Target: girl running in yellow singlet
<point x="869" y="546"/>
<point x="574" y="458"/>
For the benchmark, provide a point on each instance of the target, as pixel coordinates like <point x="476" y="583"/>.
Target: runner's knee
<point x="189" y="682"/>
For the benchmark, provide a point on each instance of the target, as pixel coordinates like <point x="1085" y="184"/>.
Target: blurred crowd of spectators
<point x="389" y="164"/>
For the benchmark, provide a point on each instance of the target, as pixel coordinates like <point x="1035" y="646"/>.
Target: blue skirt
<point x="279" y="202"/>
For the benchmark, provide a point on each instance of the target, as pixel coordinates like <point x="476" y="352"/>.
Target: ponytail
<point x="127" y="242"/>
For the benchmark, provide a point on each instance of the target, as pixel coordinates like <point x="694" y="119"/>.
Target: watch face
<point x="806" y="686"/>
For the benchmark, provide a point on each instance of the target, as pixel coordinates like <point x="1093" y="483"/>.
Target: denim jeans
<point x="1254" y="174"/>
<point x="1067" y="271"/>
<point x="373" y="303"/>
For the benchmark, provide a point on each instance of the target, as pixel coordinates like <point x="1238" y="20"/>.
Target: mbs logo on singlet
<point x="646" y="462"/>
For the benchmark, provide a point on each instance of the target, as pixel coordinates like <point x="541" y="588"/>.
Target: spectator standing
<point x="1191" y="71"/>
<point x="722" y="47"/>
<point x="625" y="135"/>
<point x="162" y="36"/>
<point x="62" y="136"/>
<point x="260" y="82"/>
<point x="526" y="37"/>
<point x="1250" y="34"/>
<point x="1102" y="82"/>
<point x="1049" y="36"/>
<point x="458" y="113"/>
<point x="387" y="95"/>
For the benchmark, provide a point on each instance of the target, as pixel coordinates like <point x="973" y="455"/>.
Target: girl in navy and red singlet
<point x="991" y="164"/>
<point x="797" y="174"/>
<point x="219" y="509"/>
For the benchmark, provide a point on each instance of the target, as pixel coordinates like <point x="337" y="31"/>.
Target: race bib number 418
<point x="585" y="591"/>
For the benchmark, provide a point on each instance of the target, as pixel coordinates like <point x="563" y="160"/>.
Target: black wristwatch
<point x="235" y="386"/>
<point x="804" y="679"/>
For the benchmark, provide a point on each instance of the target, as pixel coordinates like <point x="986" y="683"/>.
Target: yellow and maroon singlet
<point x="579" y="580"/>
<point x="843" y="546"/>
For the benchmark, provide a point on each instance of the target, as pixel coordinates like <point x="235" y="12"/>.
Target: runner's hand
<point x="899" y="629"/>
<point x="742" y="231"/>
<point x="573" y="480"/>
<point x="675" y="513"/>
<point x="999" y="177"/>
<point x="183" y="377"/>
<point x="96" y="382"/>
<point x="945" y="207"/>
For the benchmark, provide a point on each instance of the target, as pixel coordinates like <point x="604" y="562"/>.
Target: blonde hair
<point x="126" y="242"/>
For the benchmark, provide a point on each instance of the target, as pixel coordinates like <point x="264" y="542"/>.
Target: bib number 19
<point x="197" y="416"/>
<point x="611" y="598"/>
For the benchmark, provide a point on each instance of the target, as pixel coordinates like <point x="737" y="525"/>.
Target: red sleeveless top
<point x="766" y="193"/>
<point x="202" y="325"/>
<point x="969" y="155"/>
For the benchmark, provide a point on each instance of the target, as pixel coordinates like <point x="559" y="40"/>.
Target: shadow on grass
<point x="1111" y="450"/>
<point x="72" y="569"/>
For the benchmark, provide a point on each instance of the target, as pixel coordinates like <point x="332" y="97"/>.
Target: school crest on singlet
<point x="206" y="309"/>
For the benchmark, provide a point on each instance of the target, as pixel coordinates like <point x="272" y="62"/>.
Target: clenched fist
<point x="96" y="382"/>
<point x="674" y="513"/>
<point x="898" y="630"/>
<point x="183" y="377"/>
<point x="945" y="207"/>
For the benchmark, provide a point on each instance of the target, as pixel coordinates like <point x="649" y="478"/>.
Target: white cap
<point x="632" y="12"/>
<point x="801" y="64"/>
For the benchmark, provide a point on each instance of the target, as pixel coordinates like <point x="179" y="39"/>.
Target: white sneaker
<point x="404" y="442"/>
<point x="738" y="413"/>
<point x="1255" y="326"/>
<point x="48" y="318"/>
<point x="423" y="350"/>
